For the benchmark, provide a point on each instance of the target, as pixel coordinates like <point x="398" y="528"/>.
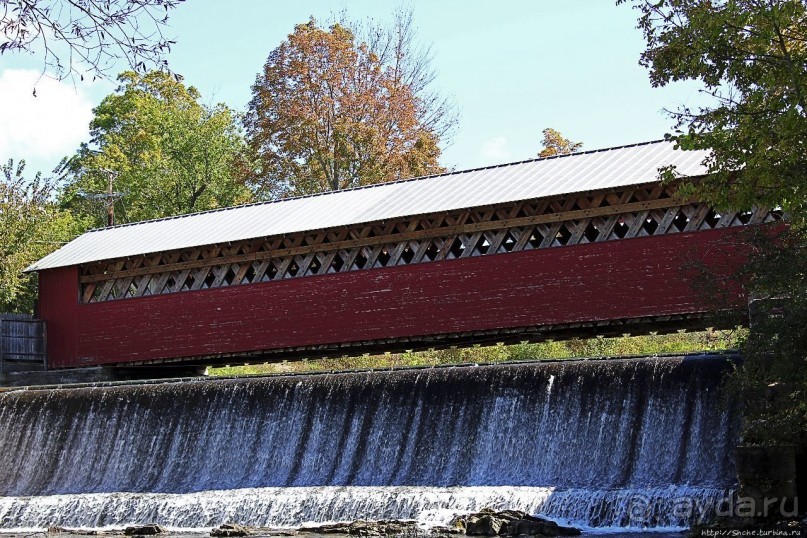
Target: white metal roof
<point x="537" y="178"/>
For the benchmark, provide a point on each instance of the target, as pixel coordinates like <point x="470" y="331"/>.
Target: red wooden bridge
<point x="576" y="245"/>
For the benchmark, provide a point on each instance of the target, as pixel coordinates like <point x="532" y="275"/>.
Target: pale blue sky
<point x="513" y="68"/>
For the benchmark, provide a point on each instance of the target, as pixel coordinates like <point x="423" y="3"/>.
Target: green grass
<point x="682" y="342"/>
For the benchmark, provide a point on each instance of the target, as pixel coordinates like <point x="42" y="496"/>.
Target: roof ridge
<point x="377" y="185"/>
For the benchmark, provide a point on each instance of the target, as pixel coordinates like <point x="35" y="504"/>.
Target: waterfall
<point x="598" y="443"/>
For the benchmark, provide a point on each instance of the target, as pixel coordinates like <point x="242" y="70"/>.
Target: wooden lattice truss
<point x="648" y="210"/>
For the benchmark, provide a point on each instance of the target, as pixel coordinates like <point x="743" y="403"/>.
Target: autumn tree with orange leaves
<point x="556" y="144"/>
<point x="327" y="113"/>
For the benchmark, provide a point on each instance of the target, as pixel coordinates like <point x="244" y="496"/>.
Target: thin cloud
<point x="44" y="128"/>
<point x="495" y="149"/>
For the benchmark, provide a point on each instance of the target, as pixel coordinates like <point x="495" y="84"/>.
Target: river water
<point x="609" y="445"/>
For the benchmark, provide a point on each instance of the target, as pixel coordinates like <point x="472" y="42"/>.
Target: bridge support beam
<point x="26" y="377"/>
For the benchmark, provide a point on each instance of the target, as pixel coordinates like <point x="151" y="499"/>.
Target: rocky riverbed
<point x="486" y="522"/>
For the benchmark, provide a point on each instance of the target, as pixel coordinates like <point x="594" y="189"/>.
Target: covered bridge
<point x="589" y="243"/>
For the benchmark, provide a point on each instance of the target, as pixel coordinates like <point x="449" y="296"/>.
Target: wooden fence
<point x="22" y="339"/>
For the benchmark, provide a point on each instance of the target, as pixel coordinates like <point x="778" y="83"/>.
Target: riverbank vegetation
<point x="679" y="342"/>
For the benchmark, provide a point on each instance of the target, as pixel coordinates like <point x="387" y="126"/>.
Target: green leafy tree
<point x="555" y="144"/>
<point x="750" y="57"/>
<point x="31" y="226"/>
<point x="326" y="114"/>
<point x="772" y="380"/>
<point x="168" y="153"/>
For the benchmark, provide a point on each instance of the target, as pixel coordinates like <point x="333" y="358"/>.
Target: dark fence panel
<point x="22" y="339"/>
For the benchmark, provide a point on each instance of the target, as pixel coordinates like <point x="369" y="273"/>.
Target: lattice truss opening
<point x="606" y="216"/>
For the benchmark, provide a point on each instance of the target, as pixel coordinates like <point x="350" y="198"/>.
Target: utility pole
<point x="110" y="197"/>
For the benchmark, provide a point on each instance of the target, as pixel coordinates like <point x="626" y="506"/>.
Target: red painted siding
<point x="58" y="306"/>
<point x="612" y="280"/>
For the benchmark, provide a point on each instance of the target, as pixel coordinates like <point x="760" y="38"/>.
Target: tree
<point x="772" y="380"/>
<point x="751" y="58"/>
<point x="327" y="114"/>
<point x="409" y="61"/>
<point x="169" y="154"/>
<point x="87" y="36"/>
<point x="555" y="144"/>
<point x="31" y="226"/>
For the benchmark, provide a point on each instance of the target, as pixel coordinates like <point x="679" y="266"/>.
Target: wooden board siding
<point x="593" y="282"/>
<point x="58" y="305"/>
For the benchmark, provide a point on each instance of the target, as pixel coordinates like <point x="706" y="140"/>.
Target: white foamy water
<point x="293" y="506"/>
